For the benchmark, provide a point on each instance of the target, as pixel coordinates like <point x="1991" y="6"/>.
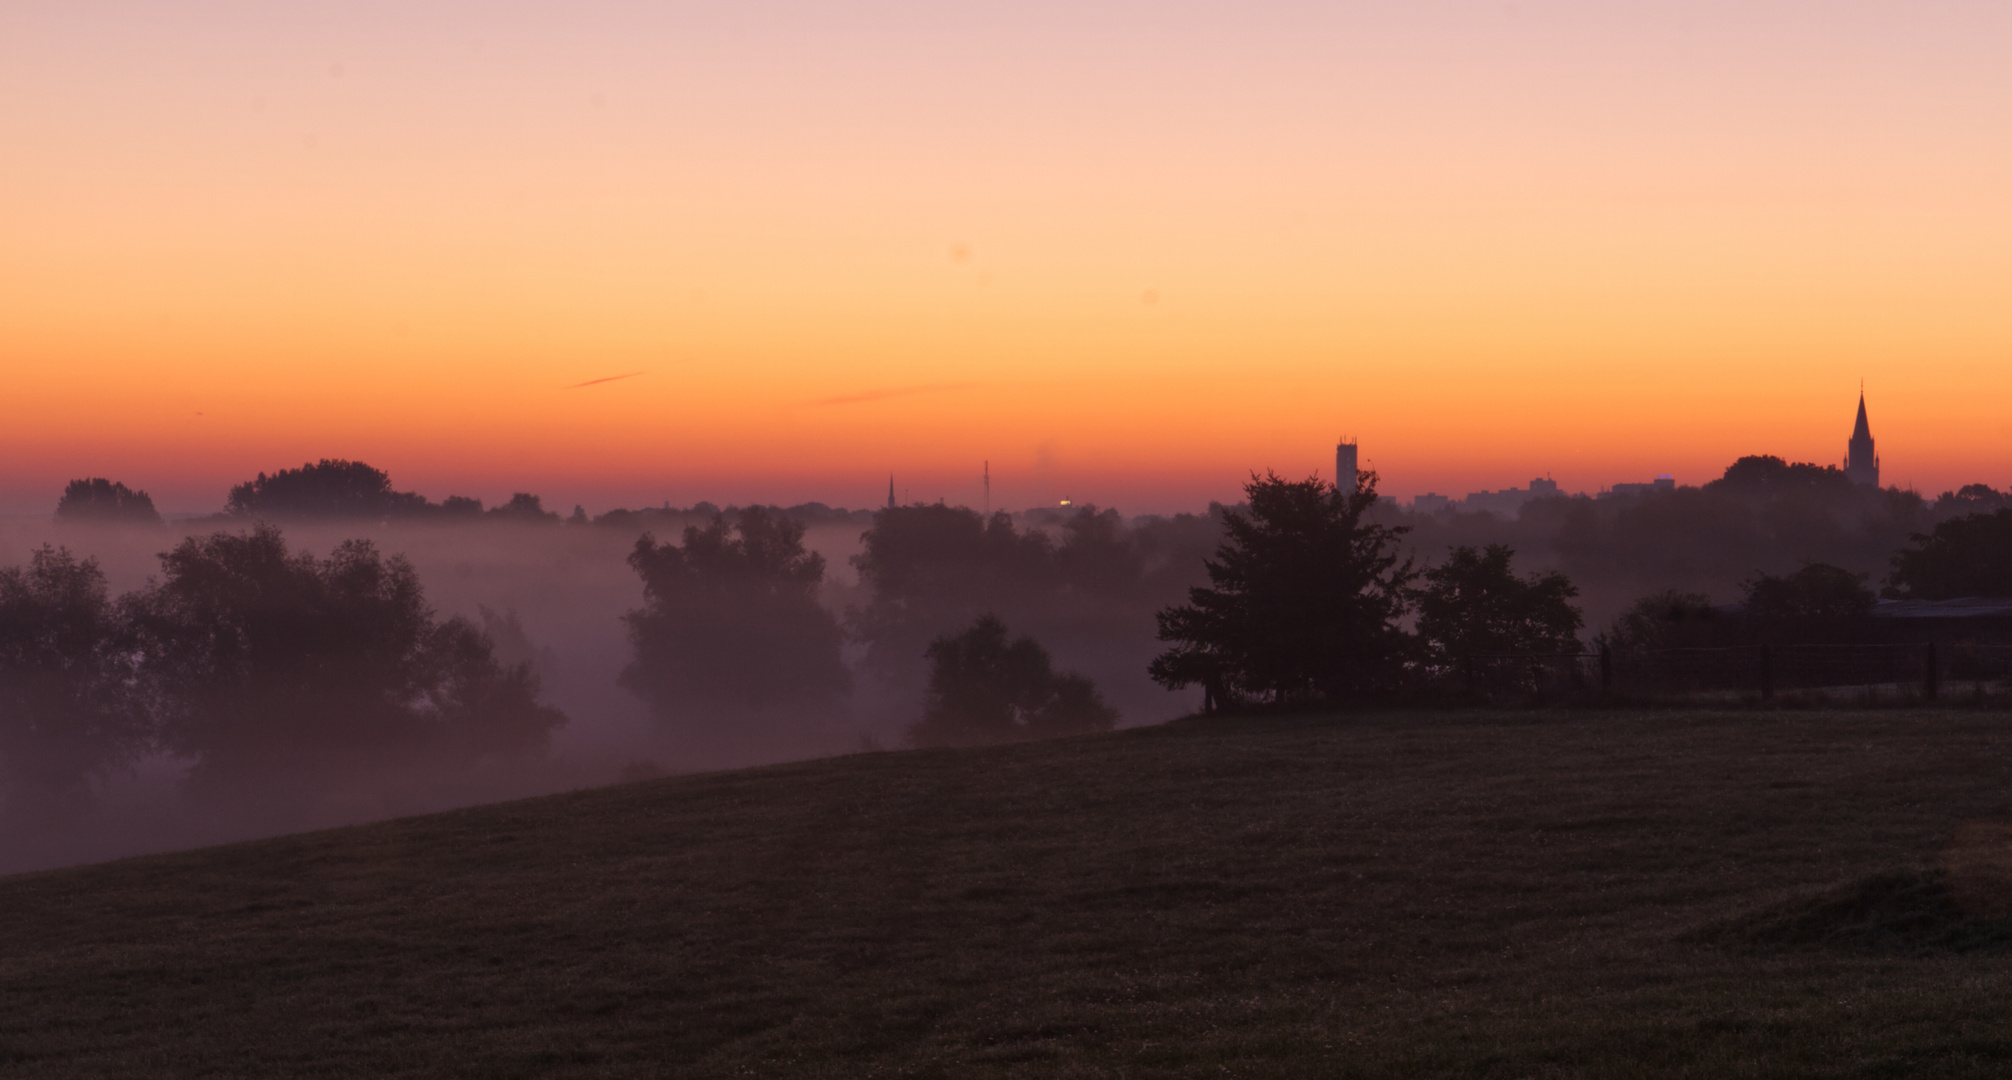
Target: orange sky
<point x="1126" y="253"/>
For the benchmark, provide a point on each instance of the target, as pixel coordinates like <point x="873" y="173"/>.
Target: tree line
<point x="278" y="675"/>
<point x="335" y="489"/>
<point x="274" y="669"/>
<point x="1311" y="597"/>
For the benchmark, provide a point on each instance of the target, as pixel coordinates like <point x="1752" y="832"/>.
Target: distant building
<point x="1860" y="463"/>
<point x="1665" y="482"/>
<point x="1429" y="503"/>
<point x="1345" y="472"/>
<point x="1509" y="501"/>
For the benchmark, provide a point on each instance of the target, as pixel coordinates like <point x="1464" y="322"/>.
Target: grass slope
<point x="1404" y="895"/>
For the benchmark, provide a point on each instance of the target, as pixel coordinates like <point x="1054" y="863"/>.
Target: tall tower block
<point x="1860" y="463"/>
<point x="1345" y="471"/>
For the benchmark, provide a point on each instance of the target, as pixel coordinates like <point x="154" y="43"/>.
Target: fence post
<point x="1606" y="669"/>
<point x="1931" y="679"/>
<point x="1767" y="673"/>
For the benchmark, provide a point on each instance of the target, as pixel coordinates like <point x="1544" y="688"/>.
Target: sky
<point x="619" y="253"/>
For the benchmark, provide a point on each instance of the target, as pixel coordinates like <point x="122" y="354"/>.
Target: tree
<point x="526" y="508"/>
<point x="985" y="688"/>
<point x="1965" y="556"/>
<point x="1670" y="619"/>
<point x="732" y="619"/>
<point x="1972" y="499"/>
<point x="1475" y="603"/>
<point x="102" y="500"/>
<point x="330" y="488"/>
<point x="281" y="673"/>
<point x="1304" y="600"/>
<point x="1817" y="604"/>
<point x="67" y="709"/>
<point x="933" y="568"/>
<point x="1765" y="475"/>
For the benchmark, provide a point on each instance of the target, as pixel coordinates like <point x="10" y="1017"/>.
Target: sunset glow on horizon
<point x="621" y="253"/>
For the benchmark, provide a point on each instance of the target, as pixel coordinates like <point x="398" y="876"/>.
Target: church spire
<point x="1860" y="462"/>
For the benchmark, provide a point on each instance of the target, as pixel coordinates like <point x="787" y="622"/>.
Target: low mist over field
<point x="555" y="595"/>
<point x="330" y="649"/>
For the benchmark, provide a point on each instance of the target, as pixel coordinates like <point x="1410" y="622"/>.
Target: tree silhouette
<point x="933" y="568"/>
<point x="67" y="710"/>
<point x="1671" y="619"/>
<point x="1304" y="600"/>
<point x="99" y="499"/>
<point x="1475" y="603"/>
<point x="525" y="508"/>
<point x="280" y="672"/>
<point x="330" y="488"/>
<point x="1817" y="604"/>
<point x="985" y="688"/>
<point x="1972" y="499"/>
<point x="731" y="620"/>
<point x="1965" y="556"/>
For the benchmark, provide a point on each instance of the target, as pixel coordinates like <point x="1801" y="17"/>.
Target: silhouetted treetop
<point x="102" y="500"/>
<point x="1475" y="603"/>
<point x="1304" y="599"/>
<point x="330" y="488"/>
<point x="273" y="668"/>
<point x="1765" y="475"/>
<point x="1972" y="499"/>
<point x="732" y="618"/>
<point x="523" y="507"/>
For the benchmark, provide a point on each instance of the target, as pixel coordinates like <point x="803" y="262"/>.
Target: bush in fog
<point x="931" y="568"/>
<point x="1088" y="589"/>
<point x="102" y="500"/>
<point x="985" y="688"/>
<point x="67" y="709"/>
<point x="1965" y="556"/>
<point x="274" y="669"/>
<point x="1817" y="604"/>
<point x="1671" y="619"/>
<point x="329" y="488"/>
<point x="731" y="620"/>
<point x="1304" y="600"/>
<point x="1475" y="603"/>
<point x="523" y="507"/>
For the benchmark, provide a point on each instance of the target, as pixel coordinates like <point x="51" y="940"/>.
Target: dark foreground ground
<point x="1801" y="894"/>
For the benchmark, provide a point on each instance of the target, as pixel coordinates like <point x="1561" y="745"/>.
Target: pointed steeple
<point x="890" y="488"/>
<point x="1861" y="463"/>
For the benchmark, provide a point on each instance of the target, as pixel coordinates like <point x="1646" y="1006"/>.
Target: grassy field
<point x="1480" y="894"/>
